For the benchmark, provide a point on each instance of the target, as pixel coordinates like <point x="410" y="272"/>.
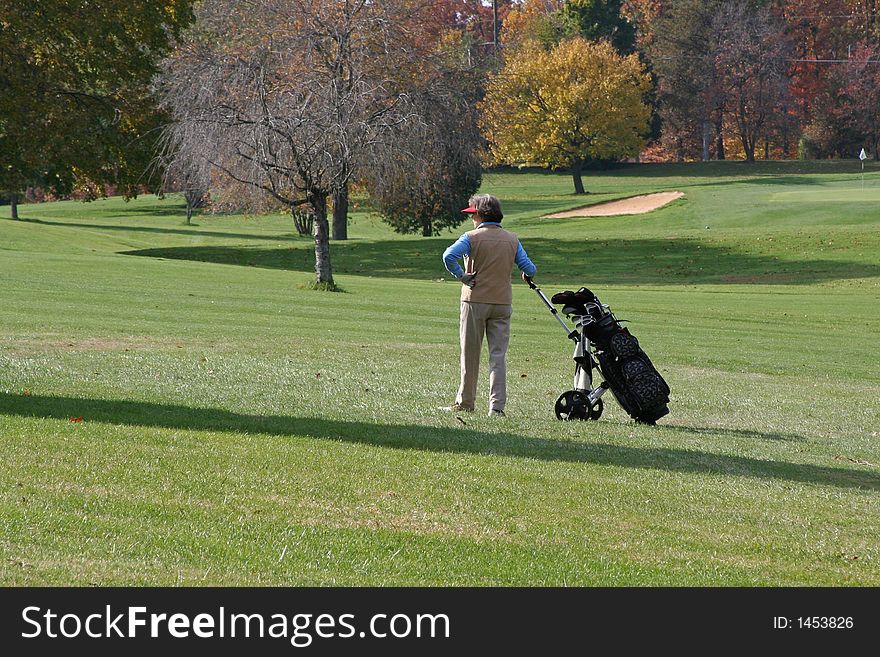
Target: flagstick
<point x="862" y="157"/>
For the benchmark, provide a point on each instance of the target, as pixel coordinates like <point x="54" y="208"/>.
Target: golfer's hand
<point x="526" y="279"/>
<point x="469" y="279"/>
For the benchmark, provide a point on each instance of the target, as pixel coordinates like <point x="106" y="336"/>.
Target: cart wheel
<point x="572" y="405"/>
<point x="596" y="411"/>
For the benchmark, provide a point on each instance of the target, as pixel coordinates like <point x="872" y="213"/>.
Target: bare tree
<point x="303" y="220"/>
<point x="752" y="54"/>
<point x="684" y="56"/>
<point x="421" y="183"/>
<point x="288" y="96"/>
<point x="188" y="172"/>
<point x="860" y="96"/>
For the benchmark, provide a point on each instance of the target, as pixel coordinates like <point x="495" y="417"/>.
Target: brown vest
<point x="492" y="254"/>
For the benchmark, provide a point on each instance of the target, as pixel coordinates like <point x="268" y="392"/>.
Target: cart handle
<point x="572" y="335"/>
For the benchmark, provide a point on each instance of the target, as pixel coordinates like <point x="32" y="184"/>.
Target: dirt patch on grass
<point x="634" y="205"/>
<point x="95" y="343"/>
<point x="321" y="513"/>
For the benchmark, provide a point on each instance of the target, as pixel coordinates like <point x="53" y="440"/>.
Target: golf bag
<point x="603" y="344"/>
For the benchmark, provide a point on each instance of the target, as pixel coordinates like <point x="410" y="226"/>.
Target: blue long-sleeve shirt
<point x="462" y="248"/>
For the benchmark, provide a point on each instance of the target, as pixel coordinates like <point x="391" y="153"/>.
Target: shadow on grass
<point x="148" y="209"/>
<point x="173" y="231"/>
<point x="732" y="433"/>
<point x="716" y="169"/>
<point x="593" y="261"/>
<point x="424" y="438"/>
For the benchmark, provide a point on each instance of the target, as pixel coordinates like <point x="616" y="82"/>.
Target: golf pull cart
<point x="601" y="343"/>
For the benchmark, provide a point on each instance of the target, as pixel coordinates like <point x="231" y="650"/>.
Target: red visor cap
<point x="470" y="210"/>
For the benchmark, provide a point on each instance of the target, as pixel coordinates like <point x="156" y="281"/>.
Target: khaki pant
<point x="493" y="320"/>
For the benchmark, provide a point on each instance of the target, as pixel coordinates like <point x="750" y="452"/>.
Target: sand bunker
<point x="634" y="205"/>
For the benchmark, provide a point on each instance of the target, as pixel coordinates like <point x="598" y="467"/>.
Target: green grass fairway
<point x="177" y="409"/>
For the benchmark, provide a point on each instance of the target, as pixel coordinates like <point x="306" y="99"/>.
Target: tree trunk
<point x="340" y="213"/>
<point x="870" y="17"/>
<point x="323" y="271"/>
<point x="766" y="147"/>
<point x="719" y="138"/>
<point x="748" y="144"/>
<point x="576" y="168"/>
<point x="706" y="140"/>
<point x="426" y="226"/>
<point x="194" y="199"/>
<point x="13" y="202"/>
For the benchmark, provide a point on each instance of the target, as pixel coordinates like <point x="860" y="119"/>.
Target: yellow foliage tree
<point x="560" y="108"/>
<point x="533" y="20"/>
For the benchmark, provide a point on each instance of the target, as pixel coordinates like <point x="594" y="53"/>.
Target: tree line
<point x="298" y="104"/>
<point x="793" y="78"/>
